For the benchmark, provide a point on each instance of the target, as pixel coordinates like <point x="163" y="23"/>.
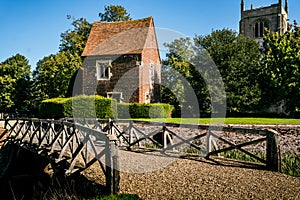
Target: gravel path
<point x="178" y="178"/>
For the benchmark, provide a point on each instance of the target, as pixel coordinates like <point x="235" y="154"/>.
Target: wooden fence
<point x="82" y="142"/>
<point x="76" y="145"/>
<point x="168" y="137"/>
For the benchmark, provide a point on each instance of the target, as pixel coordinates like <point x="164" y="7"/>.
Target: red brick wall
<point x="150" y="56"/>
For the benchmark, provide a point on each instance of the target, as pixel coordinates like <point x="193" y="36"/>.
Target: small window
<point x="259" y="28"/>
<point x="256" y="30"/>
<point x="103" y="70"/>
<point x="147" y="97"/>
<point x="115" y="95"/>
<point x="261" y="31"/>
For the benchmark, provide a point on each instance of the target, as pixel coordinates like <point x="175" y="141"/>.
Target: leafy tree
<point x="114" y="13"/>
<point x="237" y="59"/>
<point x="14" y="84"/>
<point x="53" y="74"/>
<point x="181" y="76"/>
<point x="74" y="41"/>
<point x="281" y="69"/>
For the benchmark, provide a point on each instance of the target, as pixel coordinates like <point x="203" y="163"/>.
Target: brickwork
<point x="120" y="66"/>
<point x="132" y="51"/>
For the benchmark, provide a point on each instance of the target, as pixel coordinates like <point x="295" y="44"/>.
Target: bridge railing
<point x="201" y="139"/>
<point x="74" y="146"/>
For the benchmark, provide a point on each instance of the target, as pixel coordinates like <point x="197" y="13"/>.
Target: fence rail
<point x="169" y="137"/>
<point x="82" y="142"/>
<point x="65" y="142"/>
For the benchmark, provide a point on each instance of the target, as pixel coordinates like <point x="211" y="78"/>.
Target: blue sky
<point x="33" y="27"/>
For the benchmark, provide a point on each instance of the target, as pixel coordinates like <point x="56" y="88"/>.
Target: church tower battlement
<point x="254" y="21"/>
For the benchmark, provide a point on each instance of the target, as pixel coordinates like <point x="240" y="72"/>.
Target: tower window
<point x="256" y="30"/>
<point x="259" y="29"/>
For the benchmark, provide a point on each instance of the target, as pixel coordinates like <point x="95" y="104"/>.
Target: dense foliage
<point x="114" y="13"/>
<point x="281" y="69"/>
<point x="73" y="41"/>
<point x="14" y="84"/>
<point x="235" y="57"/>
<point x="53" y="73"/>
<point x="136" y="110"/>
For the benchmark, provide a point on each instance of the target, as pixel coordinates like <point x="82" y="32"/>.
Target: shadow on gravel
<point x="226" y="162"/>
<point x="25" y="175"/>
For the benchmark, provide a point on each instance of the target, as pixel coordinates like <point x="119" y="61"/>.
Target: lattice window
<point x="103" y="70"/>
<point x="260" y="28"/>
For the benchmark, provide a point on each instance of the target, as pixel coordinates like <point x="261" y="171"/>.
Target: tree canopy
<point x="182" y="79"/>
<point x="114" y="13"/>
<point x="281" y="69"/>
<point x="14" y="84"/>
<point x="53" y="74"/>
<point x="237" y="59"/>
<point x="74" y="41"/>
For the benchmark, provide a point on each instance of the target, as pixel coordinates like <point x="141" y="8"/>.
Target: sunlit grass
<point x="259" y="121"/>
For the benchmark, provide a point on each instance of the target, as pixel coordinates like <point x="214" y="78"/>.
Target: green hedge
<point x="53" y="108"/>
<point x="97" y="106"/>
<point x="136" y="110"/>
<point x="79" y="107"/>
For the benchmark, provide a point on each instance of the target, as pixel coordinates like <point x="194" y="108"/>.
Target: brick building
<point x="121" y="60"/>
<point x="255" y="20"/>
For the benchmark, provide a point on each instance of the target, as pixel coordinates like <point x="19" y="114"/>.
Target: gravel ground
<point x="178" y="178"/>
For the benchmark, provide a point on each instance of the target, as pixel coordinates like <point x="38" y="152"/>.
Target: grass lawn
<point x="272" y="121"/>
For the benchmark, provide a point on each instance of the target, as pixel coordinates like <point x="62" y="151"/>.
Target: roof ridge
<point x="133" y="20"/>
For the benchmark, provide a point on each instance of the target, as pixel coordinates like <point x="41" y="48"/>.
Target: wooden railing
<point x="78" y="146"/>
<point x="169" y="137"/>
<point x="82" y="142"/>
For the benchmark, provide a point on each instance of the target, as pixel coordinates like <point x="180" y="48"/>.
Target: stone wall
<point x="274" y="14"/>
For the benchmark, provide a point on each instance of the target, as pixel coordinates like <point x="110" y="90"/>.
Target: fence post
<point x="112" y="165"/>
<point x="208" y="142"/>
<point x="273" y="151"/>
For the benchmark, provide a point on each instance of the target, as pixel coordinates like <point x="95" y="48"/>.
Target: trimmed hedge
<point x="100" y="107"/>
<point x="136" y="110"/>
<point x="54" y="108"/>
<point x="79" y="107"/>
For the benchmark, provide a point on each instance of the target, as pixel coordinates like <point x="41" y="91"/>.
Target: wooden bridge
<point x="75" y="145"/>
<point x="81" y="142"/>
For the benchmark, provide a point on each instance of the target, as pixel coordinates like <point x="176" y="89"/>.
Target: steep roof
<point x="110" y="38"/>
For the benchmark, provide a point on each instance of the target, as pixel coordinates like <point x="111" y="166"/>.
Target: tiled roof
<point x="110" y="38"/>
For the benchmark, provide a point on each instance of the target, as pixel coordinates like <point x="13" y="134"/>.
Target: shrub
<point x="91" y="106"/>
<point x="80" y="107"/>
<point x="136" y="110"/>
<point x="291" y="164"/>
<point x="53" y="108"/>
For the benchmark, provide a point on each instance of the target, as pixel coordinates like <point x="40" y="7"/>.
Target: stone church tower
<point x="255" y="20"/>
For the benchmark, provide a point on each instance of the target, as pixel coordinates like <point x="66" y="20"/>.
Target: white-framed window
<point x="103" y="70"/>
<point x="147" y="97"/>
